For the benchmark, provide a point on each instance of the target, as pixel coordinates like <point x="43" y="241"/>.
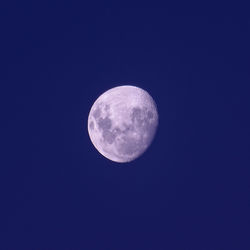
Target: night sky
<point x="190" y="190"/>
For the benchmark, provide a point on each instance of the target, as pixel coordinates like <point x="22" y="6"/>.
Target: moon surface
<point x="122" y="123"/>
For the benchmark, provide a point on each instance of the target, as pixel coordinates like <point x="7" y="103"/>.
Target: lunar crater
<point x="104" y="123"/>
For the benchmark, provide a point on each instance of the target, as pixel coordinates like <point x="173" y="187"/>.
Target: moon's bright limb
<point x="122" y="123"/>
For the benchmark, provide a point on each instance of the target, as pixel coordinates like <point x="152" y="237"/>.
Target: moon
<point x="122" y="123"/>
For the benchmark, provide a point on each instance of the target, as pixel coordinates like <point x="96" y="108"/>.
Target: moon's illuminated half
<point x="122" y="123"/>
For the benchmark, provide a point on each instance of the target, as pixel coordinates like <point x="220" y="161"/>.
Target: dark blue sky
<point x="190" y="190"/>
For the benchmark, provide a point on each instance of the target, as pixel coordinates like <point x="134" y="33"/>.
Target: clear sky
<point x="190" y="190"/>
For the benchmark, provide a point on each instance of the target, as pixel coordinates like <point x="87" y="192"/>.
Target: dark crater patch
<point x="107" y="107"/>
<point x="141" y="118"/>
<point x="150" y="115"/>
<point x="97" y="113"/>
<point x="127" y="127"/>
<point x="108" y="136"/>
<point x="136" y="114"/>
<point x="105" y="123"/>
<point x="129" y="146"/>
<point x="92" y="125"/>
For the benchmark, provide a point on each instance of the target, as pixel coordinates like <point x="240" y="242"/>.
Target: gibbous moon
<point x="122" y="123"/>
